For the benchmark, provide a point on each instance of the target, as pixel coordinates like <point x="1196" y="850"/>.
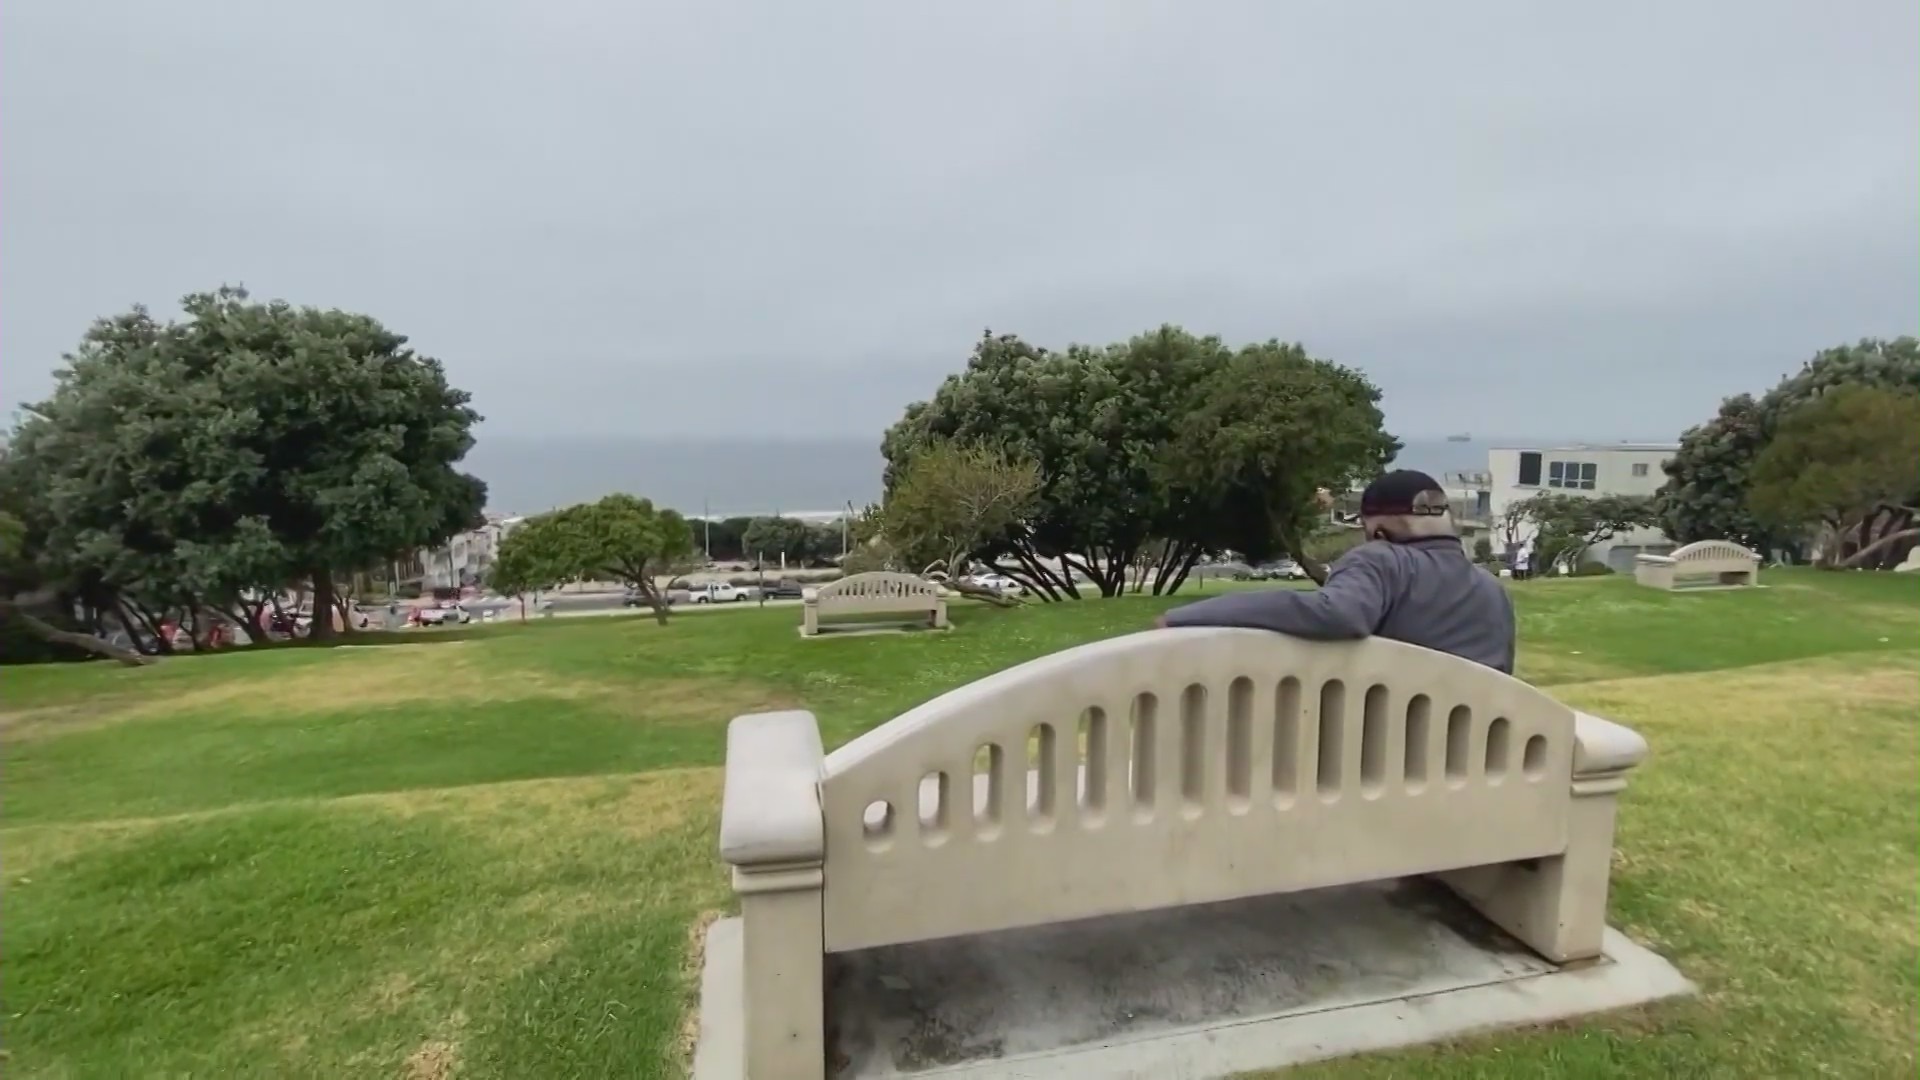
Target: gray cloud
<point x="1508" y="213"/>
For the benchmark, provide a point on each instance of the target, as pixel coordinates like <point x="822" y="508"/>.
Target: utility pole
<point x="707" y="518"/>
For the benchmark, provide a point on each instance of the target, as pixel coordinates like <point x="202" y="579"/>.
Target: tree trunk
<point x="1875" y="548"/>
<point x="321" y="628"/>
<point x="980" y="592"/>
<point x="344" y="606"/>
<point x="1186" y="567"/>
<point x="137" y="619"/>
<point x="1296" y="546"/>
<point x="1031" y="573"/>
<point x="88" y="642"/>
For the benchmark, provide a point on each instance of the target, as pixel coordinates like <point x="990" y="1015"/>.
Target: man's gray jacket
<point x="1423" y="592"/>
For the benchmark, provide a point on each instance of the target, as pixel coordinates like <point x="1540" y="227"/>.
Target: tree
<point x="23" y="590"/>
<point x="1272" y="429"/>
<point x="772" y="539"/>
<point x="723" y="539"/>
<point x="1847" y="462"/>
<point x="1128" y="466"/>
<point x="950" y="500"/>
<point x="246" y="448"/>
<point x="1709" y="478"/>
<point x="620" y="538"/>
<point x="1569" y="525"/>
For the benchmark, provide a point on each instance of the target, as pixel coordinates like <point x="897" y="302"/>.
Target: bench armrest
<point x="1601" y="747"/>
<point x="770" y="811"/>
<point x="809" y="595"/>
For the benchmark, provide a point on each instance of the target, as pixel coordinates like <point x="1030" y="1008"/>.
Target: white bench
<point x="1161" y="769"/>
<point x="876" y="593"/>
<point x="1702" y="564"/>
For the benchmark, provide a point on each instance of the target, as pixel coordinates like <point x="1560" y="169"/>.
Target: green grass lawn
<point x="490" y="854"/>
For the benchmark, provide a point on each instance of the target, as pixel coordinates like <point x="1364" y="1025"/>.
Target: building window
<point x="1640" y="469"/>
<point x="1529" y="469"/>
<point x="1578" y="475"/>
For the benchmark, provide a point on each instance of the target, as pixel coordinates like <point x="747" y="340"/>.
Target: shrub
<point x="1592" y="569"/>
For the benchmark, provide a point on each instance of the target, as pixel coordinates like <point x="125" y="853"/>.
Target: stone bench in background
<point x="1153" y="771"/>
<point x="888" y="596"/>
<point x="1709" y="564"/>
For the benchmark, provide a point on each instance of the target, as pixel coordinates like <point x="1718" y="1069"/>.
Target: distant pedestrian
<point x="1523" y="562"/>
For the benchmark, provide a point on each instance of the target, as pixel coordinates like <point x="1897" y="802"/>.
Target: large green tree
<point x="1272" y="427"/>
<point x="243" y="448"/>
<point x="950" y="500"/>
<point x="620" y="538"/>
<point x="1706" y="496"/>
<point x="1167" y="446"/>
<point x="1568" y="525"/>
<point x="1847" y="464"/>
<point x="772" y="539"/>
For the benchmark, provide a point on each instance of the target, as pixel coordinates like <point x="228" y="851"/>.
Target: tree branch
<point x="1881" y="544"/>
<point x="87" y="642"/>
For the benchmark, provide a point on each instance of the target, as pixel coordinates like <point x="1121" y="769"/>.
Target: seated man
<point x="1411" y="581"/>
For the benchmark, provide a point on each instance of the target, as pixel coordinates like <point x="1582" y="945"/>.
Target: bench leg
<point x="784" y="973"/>
<point x="1555" y="906"/>
<point x="940" y="616"/>
<point x="810" y="621"/>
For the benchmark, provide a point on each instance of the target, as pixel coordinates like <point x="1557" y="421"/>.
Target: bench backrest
<point x="879" y="590"/>
<point x="1703" y="556"/>
<point x="1180" y="767"/>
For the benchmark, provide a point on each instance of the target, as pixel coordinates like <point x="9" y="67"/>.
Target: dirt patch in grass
<point x="436" y="1059"/>
<point x="391" y="992"/>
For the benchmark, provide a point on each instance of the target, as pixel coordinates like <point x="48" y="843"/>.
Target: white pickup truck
<point x="721" y="593"/>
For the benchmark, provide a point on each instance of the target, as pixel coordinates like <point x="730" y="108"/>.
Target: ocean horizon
<point x="815" y="478"/>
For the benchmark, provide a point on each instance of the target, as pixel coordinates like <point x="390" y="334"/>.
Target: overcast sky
<point x="791" y="219"/>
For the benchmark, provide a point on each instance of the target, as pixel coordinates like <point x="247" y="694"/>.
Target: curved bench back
<point x="1181" y="767"/>
<point x="877" y="586"/>
<point x="1703" y="552"/>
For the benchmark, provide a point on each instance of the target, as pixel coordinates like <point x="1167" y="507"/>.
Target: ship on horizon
<point x="1459" y="438"/>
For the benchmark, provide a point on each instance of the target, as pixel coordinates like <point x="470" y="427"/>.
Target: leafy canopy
<point x="620" y="538"/>
<point x="1569" y="525"/>
<point x="950" y="499"/>
<point x="1709" y="480"/>
<point x="1169" y="443"/>
<point x="244" y="446"/>
<point x="1837" y="458"/>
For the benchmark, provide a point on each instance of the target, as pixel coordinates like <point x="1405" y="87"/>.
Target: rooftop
<point x="1650" y="447"/>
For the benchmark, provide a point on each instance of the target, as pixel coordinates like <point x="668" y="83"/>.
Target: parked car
<point x="1278" y="570"/>
<point x="999" y="583"/>
<point x="1284" y="570"/>
<point x="447" y="612"/>
<point x="782" y="589"/>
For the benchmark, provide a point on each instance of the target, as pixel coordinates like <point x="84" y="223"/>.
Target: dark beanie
<point x="1403" y="492"/>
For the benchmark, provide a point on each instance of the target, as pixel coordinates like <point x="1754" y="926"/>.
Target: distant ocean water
<point x="744" y="477"/>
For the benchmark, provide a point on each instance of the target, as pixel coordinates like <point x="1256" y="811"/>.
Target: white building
<point x="1520" y="472"/>
<point x="466" y="556"/>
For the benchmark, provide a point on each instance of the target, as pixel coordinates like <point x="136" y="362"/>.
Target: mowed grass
<point x="491" y="856"/>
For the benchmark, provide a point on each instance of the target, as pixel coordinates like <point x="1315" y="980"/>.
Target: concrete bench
<point x="1158" y="770"/>
<point x="1708" y="564"/>
<point x="878" y="593"/>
